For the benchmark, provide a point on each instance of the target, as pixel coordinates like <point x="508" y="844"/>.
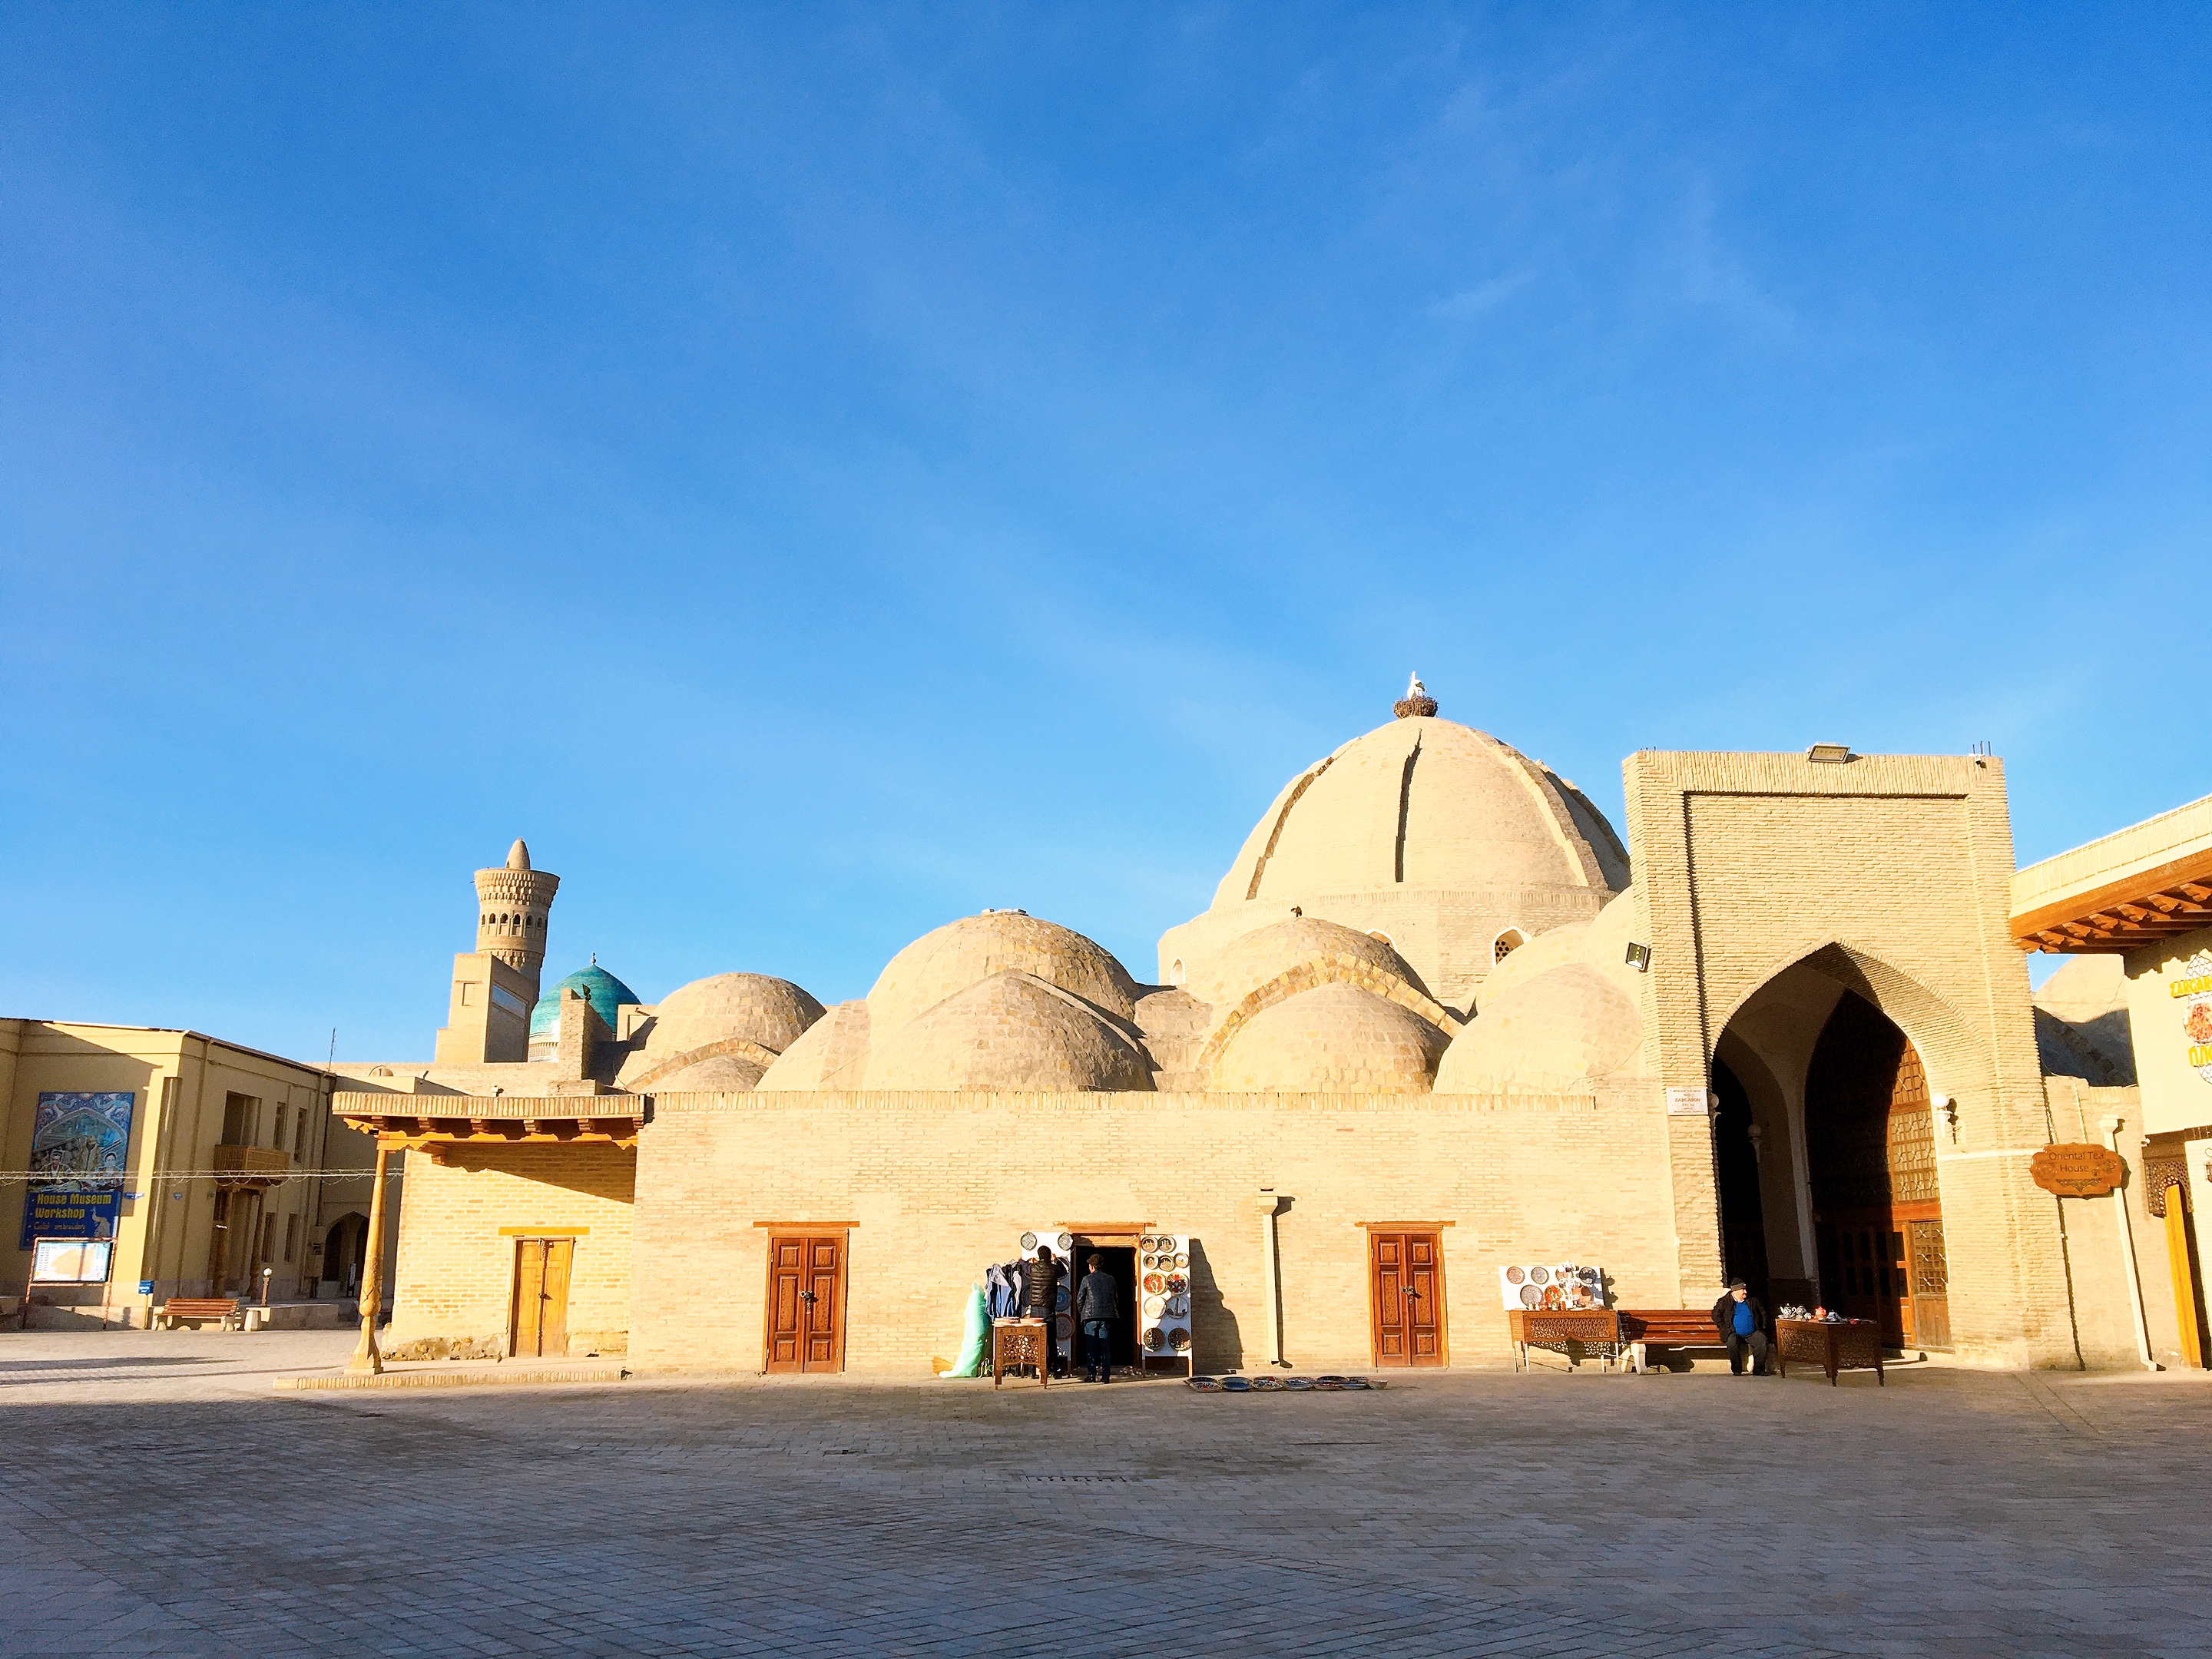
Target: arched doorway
<point x="1870" y="1157"/>
<point x="1736" y="1136"/>
<point x="345" y="1250"/>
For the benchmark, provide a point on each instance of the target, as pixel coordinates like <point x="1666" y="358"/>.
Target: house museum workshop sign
<point x="2080" y="1170"/>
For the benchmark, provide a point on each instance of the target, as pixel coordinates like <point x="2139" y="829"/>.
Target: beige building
<point x="209" y="1161"/>
<point x="1438" y="1022"/>
<point x="2134" y="912"/>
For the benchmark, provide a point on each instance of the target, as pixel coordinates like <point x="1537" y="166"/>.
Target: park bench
<point x="198" y="1309"/>
<point x="1646" y="1329"/>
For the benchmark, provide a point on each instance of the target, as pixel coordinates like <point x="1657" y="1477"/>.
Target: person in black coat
<point x="1097" y="1305"/>
<point x="1741" y="1318"/>
<point x="1044" y="1276"/>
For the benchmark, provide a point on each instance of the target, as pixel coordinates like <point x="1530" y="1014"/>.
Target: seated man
<point x="1741" y="1318"/>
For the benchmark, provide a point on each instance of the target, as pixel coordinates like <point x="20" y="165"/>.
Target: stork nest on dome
<point x="1416" y="702"/>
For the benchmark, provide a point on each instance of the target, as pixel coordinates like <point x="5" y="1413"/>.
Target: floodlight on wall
<point x="1639" y="957"/>
<point x="1829" y="754"/>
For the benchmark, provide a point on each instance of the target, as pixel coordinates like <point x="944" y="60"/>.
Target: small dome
<point x="600" y="989"/>
<point x="833" y="1053"/>
<point x="1245" y="965"/>
<point x="1332" y="1039"/>
<point x="1012" y="1031"/>
<point x="946" y="962"/>
<point x="1569" y="1023"/>
<point x="728" y="1073"/>
<point x="773" y="1012"/>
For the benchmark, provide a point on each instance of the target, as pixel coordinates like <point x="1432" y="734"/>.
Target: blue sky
<point x="820" y="471"/>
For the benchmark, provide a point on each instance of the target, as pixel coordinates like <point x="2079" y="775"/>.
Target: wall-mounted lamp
<point x="1758" y="1139"/>
<point x="1829" y="754"/>
<point x="1639" y="957"/>
<point x="1949" y="1107"/>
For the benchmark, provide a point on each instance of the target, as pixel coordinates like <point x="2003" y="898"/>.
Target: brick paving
<point x="160" y="1498"/>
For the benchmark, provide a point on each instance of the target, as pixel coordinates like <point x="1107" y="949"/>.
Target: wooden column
<point x="365" y="1356"/>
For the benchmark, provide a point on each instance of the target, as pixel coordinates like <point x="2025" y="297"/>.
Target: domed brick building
<point x="1436" y="1027"/>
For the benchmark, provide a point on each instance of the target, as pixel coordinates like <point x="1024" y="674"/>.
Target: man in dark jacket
<point x="1045" y="1274"/>
<point x="1741" y="1318"/>
<point x="1097" y="1305"/>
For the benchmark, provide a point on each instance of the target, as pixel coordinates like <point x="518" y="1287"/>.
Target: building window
<point x="291" y="1238"/>
<point x="239" y="1114"/>
<point x="1175" y="972"/>
<point x="1508" y="942"/>
<point x="278" y="1140"/>
<point x="300" y="1134"/>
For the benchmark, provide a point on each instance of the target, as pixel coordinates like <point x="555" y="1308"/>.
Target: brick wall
<point x="456" y="1267"/>
<point x="939" y="1186"/>
<point x="1891" y="874"/>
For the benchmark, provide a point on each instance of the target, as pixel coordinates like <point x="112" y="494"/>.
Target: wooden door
<point x="541" y="1297"/>
<point x="806" y="1304"/>
<point x="1931" y="1284"/>
<point x="1407" y="1276"/>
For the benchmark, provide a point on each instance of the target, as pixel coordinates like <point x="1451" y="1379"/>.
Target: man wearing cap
<point x="1741" y="1318"/>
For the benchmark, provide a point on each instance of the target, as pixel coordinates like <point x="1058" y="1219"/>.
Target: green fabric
<point x="979" y="1333"/>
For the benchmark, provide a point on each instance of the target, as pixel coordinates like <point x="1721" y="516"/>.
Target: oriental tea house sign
<point x="2082" y="1170"/>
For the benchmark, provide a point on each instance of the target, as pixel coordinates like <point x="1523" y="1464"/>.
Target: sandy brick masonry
<point x="936" y="1186"/>
<point x="456" y="1271"/>
<point x="1893" y="874"/>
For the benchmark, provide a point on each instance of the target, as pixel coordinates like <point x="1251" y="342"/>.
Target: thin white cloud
<point x="1484" y="296"/>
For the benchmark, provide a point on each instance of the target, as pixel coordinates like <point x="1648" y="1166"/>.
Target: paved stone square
<point x="161" y="1498"/>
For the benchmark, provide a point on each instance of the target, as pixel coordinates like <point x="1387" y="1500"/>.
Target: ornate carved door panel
<point x="806" y="1304"/>
<point x="1406" y="1274"/>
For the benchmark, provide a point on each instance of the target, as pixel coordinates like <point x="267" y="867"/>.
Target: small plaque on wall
<point x="1686" y="1103"/>
<point x="2082" y="1169"/>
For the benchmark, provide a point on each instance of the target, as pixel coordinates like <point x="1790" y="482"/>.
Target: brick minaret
<point x="512" y="905"/>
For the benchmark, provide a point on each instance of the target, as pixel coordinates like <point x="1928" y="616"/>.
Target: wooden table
<point x="1016" y="1342"/>
<point x="1594" y="1330"/>
<point x="1840" y="1346"/>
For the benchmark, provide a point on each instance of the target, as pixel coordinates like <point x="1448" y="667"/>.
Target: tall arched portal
<point x="1737" y="1139"/>
<point x="1870" y="1162"/>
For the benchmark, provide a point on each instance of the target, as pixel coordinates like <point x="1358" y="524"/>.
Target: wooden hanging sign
<point x="2083" y="1169"/>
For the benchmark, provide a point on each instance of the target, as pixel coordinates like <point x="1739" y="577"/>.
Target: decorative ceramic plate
<point x="1540" y="1275"/>
<point x="1061" y="1301"/>
<point x="1355" y="1381"/>
<point x="1531" y="1297"/>
<point x="1181" y="1260"/>
<point x="1205" y="1384"/>
<point x="1154" y="1306"/>
<point x="1514" y="1275"/>
<point x="1154" y="1283"/>
<point x="1154" y="1340"/>
<point x="1268" y="1384"/>
<point x="1028" y="1241"/>
<point x="1064" y="1327"/>
<point x="1179" y="1340"/>
<point x="1178" y="1305"/>
<point x="1178" y="1282"/>
<point x="1148" y="1242"/>
<point x="1299" y="1384"/>
<point x="1235" y="1385"/>
<point x="1330" y="1384"/>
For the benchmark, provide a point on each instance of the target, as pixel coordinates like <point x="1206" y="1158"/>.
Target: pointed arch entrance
<point x="1870" y="1163"/>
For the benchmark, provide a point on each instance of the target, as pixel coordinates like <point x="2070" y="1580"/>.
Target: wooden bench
<point x="1646" y="1329"/>
<point x="196" y="1310"/>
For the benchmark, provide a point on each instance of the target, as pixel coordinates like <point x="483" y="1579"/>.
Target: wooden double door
<point x="806" y="1304"/>
<point x="1406" y="1270"/>
<point x="539" y="1323"/>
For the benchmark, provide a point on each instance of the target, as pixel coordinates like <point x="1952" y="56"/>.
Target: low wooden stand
<point x="1833" y="1347"/>
<point x="1018" y="1342"/>
<point x="1594" y="1330"/>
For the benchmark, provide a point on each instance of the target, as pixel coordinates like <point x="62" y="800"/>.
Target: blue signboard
<point x="79" y="1145"/>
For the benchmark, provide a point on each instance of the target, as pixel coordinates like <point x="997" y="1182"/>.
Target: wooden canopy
<point x="2173" y="898"/>
<point x="432" y="1122"/>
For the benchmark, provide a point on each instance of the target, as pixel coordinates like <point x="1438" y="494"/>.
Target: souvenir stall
<point x="1558" y="1308"/>
<point x="1151" y="1271"/>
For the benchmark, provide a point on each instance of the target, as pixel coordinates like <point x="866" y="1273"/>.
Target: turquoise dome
<point x="600" y="989"/>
